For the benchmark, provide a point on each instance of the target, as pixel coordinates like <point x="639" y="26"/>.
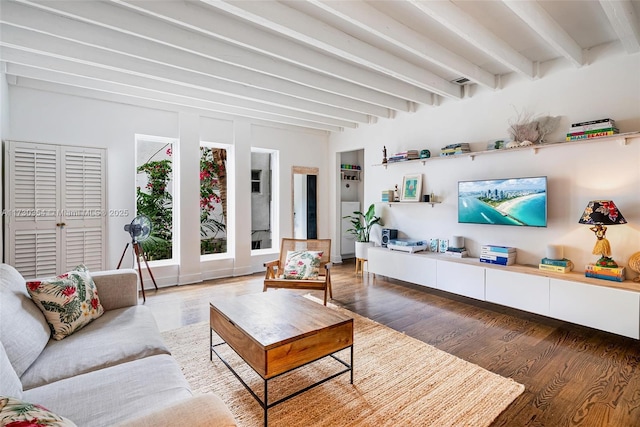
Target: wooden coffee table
<point x="278" y="331"/>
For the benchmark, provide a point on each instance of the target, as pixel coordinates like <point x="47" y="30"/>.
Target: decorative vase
<point x="362" y="249"/>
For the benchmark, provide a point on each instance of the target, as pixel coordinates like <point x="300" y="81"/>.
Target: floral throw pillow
<point x="302" y="265"/>
<point x="16" y="413"/>
<point x="69" y="302"/>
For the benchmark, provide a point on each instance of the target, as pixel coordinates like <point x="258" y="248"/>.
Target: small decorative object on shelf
<point x="634" y="264"/>
<point x="425" y="154"/>
<point x="384" y="155"/>
<point x="601" y="213"/>
<point x="443" y="246"/>
<point x="396" y="195"/>
<point x="592" y="129"/>
<point x="497" y="144"/>
<point x="434" y="244"/>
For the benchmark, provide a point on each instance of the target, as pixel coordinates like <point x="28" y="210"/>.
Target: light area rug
<point x="398" y="381"/>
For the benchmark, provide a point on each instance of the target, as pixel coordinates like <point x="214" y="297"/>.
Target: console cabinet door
<point x="413" y="268"/>
<point x="600" y="307"/>
<point x="461" y="279"/>
<point x="518" y="290"/>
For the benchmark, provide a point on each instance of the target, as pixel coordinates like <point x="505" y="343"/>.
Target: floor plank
<point x="574" y="376"/>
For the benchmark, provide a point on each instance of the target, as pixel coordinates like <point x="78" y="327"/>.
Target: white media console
<point x="572" y="297"/>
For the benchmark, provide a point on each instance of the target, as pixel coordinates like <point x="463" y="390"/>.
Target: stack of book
<point x="457" y="252"/>
<point x="387" y="196"/>
<point x="501" y="255"/>
<point x="453" y="149"/>
<point x="592" y="129"/>
<point x="606" y="273"/>
<point x="556" y="265"/>
<point x="404" y="155"/>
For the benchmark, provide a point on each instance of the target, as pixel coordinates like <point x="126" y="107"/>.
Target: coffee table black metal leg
<point x="266" y="401"/>
<point x="351" y="367"/>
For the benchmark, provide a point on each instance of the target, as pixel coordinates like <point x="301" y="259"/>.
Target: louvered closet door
<point x="84" y="212"/>
<point x="56" y="204"/>
<point x="33" y="177"/>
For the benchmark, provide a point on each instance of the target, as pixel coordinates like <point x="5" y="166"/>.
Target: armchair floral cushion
<point x="302" y="265"/>
<point x="68" y="302"/>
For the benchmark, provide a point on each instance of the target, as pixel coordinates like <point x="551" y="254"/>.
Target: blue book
<point x="493" y="248"/>
<point x="603" y="277"/>
<point x="559" y="262"/>
<point x="491" y="261"/>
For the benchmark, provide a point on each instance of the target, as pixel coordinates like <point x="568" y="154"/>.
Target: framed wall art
<point x="411" y="188"/>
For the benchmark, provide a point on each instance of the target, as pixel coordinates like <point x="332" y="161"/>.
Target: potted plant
<point x="361" y="224"/>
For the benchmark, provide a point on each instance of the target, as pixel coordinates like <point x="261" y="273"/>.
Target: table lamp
<point x="601" y="213"/>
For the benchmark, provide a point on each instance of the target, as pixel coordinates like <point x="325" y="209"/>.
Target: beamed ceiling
<point x="317" y="64"/>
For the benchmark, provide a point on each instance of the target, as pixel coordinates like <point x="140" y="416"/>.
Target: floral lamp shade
<point x="601" y="213"/>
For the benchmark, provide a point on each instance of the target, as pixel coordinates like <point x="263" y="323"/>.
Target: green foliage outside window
<point x="156" y="202"/>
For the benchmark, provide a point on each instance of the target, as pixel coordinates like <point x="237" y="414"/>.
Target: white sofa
<point x="114" y="371"/>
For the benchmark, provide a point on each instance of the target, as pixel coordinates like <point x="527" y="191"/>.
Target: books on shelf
<point x="453" y="149"/>
<point x="592" y="129"/>
<point x="457" y="252"/>
<point x="606" y="273"/>
<point x="404" y="155"/>
<point x="387" y="196"/>
<point x="596" y="122"/>
<point x="502" y="255"/>
<point x="556" y="268"/>
<point x="498" y="261"/>
<point x="564" y="262"/>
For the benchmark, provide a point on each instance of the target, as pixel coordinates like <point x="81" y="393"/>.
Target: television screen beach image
<point x="514" y="201"/>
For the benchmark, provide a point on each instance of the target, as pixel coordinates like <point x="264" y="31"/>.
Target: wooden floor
<point x="574" y="376"/>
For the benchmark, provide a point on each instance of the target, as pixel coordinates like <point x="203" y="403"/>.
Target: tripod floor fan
<point x="139" y="230"/>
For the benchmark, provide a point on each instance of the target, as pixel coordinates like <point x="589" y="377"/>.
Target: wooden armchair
<point x="275" y="269"/>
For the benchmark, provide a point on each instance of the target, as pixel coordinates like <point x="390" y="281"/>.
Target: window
<point x="213" y="199"/>
<point x="255" y="180"/>
<point x="264" y="201"/>
<point x="154" y="194"/>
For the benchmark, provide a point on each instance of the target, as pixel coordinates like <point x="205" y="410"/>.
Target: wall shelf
<point x="622" y="138"/>
<point x="350" y="174"/>
<point x="410" y="203"/>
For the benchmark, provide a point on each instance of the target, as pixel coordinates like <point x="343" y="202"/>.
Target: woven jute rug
<point x="398" y="381"/>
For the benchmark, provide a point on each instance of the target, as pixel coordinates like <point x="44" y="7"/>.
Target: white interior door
<point x="55" y="201"/>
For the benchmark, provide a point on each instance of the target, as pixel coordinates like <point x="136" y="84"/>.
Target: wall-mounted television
<point x="511" y="201"/>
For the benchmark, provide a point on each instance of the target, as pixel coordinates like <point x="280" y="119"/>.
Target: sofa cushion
<point x="118" y="336"/>
<point x="109" y="396"/>
<point x="15" y="412"/>
<point x="69" y="301"/>
<point x="10" y="384"/>
<point x="23" y="329"/>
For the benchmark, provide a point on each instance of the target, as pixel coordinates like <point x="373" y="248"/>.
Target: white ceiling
<point x="318" y="64"/>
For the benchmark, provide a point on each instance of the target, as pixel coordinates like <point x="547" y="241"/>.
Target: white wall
<point x="609" y="87"/>
<point x="46" y="117"/>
